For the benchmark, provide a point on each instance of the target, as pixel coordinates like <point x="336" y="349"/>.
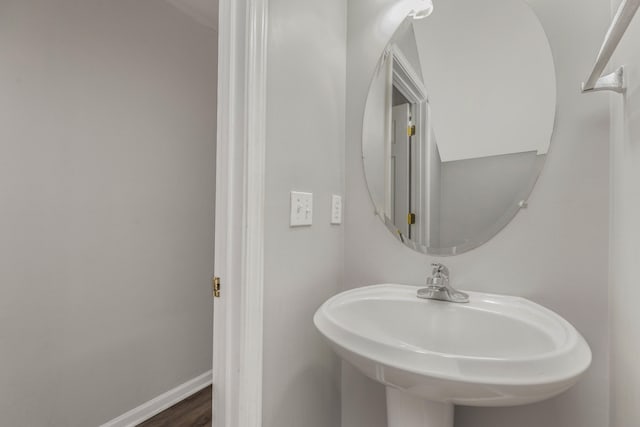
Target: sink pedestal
<point x="406" y="410"/>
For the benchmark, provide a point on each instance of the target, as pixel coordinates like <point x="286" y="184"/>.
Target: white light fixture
<point x="420" y="9"/>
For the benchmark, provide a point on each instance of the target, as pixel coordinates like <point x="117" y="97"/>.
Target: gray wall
<point x="433" y="201"/>
<point x="107" y="123"/>
<point x="305" y="152"/>
<point x="554" y="253"/>
<point x="476" y="193"/>
<point x="625" y="235"/>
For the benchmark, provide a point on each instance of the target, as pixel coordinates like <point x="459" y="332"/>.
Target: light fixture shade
<point x="421" y="8"/>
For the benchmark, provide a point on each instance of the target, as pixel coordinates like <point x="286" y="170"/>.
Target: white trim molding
<point x="164" y="401"/>
<point x="405" y="77"/>
<point x="253" y="239"/>
<point x="239" y="248"/>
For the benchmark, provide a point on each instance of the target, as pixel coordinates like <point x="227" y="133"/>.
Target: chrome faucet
<point x="438" y="287"/>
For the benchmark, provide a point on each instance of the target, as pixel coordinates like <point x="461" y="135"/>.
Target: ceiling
<point x="204" y="11"/>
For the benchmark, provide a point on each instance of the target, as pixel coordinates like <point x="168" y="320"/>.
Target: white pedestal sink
<point x="494" y="351"/>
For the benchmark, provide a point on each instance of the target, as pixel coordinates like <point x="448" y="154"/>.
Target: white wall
<point x="480" y="86"/>
<point x="305" y="152"/>
<point x="107" y="154"/>
<point x="554" y="253"/>
<point x="625" y="235"/>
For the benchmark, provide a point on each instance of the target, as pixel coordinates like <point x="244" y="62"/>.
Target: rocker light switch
<point x="301" y="209"/>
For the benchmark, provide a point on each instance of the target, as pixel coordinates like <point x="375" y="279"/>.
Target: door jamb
<point x="409" y="83"/>
<point x="239" y="221"/>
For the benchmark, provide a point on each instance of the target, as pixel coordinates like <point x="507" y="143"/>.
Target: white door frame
<point x="239" y="222"/>
<point x="410" y="85"/>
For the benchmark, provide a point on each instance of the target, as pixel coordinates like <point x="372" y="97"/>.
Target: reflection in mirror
<point x="458" y="122"/>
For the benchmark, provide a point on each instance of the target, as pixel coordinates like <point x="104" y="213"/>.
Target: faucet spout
<point x="438" y="287"/>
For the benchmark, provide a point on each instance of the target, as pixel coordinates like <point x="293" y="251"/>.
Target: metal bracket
<point x="612" y="81"/>
<point x="615" y="80"/>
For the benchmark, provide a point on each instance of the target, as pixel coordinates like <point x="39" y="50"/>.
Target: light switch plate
<point x="301" y="209"/>
<point x="336" y="209"/>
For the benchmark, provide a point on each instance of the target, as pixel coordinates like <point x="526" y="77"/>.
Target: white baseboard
<point x="160" y="403"/>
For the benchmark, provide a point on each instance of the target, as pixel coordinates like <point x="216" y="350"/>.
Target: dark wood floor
<point x="194" y="411"/>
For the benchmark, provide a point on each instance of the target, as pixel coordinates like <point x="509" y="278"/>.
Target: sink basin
<point x="493" y="351"/>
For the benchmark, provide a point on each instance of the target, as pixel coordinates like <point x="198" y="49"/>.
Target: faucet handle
<point x="439" y="270"/>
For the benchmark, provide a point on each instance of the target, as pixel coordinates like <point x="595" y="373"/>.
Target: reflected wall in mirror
<point x="458" y="122"/>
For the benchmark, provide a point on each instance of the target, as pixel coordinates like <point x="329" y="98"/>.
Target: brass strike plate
<point x="216" y="287"/>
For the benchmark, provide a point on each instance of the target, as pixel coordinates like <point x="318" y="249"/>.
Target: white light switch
<point x="301" y="209"/>
<point x="336" y="209"/>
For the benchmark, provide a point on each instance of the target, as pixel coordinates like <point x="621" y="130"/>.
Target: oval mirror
<point x="457" y="123"/>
